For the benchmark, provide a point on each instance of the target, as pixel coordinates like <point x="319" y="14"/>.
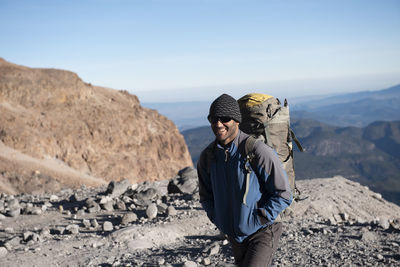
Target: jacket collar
<point x="234" y="144"/>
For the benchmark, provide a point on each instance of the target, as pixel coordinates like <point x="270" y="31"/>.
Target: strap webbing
<point x="294" y="138"/>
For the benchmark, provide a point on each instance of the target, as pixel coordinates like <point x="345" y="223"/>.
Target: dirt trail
<point x="13" y="161"/>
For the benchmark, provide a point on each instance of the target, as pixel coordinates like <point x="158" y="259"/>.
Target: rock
<point x="105" y="199"/>
<point x="9" y="230"/>
<point x="344" y="216"/>
<point x="14" y="212"/>
<point x="53" y="198"/>
<point x="120" y="205"/>
<point x="45" y="232"/>
<point x="94" y="208"/>
<point x="13" y="242"/>
<point x="36" y="211"/>
<point x="92" y="205"/>
<point x="360" y="221"/>
<point x="146" y="197"/>
<point x="109" y="206"/>
<point x="30" y="236"/>
<point x="116" y="189"/>
<point x="337" y="218"/>
<point x="27" y="236"/>
<point x="94" y="223"/>
<point x="190" y="264"/>
<point x="162" y="207"/>
<point x="171" y="211"/>
<point x="128" y="218"/>
<point x="368" y="236"/>
<point x="45" y="206"/>
<point x="27" y="209"/>
<point x="127" y="200"/>
<point x="3" y="252"/>
<point x="160" y="261"/>
<point x="76" y="198"/>
<point x="384" y="222"/>
<point x="86" y="223"/>
<point x="80" y="212"/>
<point x="151" y="211"/>
<point x="108" y="226"/>
<point x="185" y="183"/>
<point x="13" y="204"/>
<point x="72" y="229"/>
<point x="188" y="173"/>
<point x="214" y="249"/>
<point x="58" y="230"/>
<point x="206" y="261"/>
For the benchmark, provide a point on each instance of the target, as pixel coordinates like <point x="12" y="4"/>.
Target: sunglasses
<point x="221" y="119"/>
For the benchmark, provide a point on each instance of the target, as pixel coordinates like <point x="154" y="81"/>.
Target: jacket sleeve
<point x="205" y="189"/>
<point x="276" y="192"/>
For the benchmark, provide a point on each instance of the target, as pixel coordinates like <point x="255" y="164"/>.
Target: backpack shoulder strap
<point x="249" y="147"/>
<point x="249" y="155"/>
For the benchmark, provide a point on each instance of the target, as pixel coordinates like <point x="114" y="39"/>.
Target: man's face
<point x="225" y="129"/>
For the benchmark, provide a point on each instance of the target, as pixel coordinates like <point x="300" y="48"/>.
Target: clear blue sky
<point x="172" y="50"/>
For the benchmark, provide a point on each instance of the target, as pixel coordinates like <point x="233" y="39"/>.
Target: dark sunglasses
<point x="221" y="119"/>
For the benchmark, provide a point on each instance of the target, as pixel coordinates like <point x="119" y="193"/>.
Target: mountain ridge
<point x="98" y="131"/>
<point x="353" y="109"/>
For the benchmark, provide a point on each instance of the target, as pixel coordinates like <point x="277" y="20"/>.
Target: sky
<point x="195" y="50"/>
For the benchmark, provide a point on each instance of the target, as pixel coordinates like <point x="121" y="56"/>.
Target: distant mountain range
<point x="355" y="109"/>
<point x="351" y="109"/>
<point x="369" y="155"/>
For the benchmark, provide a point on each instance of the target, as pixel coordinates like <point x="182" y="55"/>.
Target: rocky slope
<point x="162" y="224"/>
<point x="53" y="116"/>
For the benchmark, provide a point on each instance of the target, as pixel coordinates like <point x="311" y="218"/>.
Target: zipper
<point x="226" y="155"/>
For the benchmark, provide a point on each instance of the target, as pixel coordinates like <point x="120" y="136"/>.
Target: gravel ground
<point x="69" y="229"/>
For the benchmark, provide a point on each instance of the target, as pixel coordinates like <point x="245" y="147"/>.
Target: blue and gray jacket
<point x="238" y="205"/>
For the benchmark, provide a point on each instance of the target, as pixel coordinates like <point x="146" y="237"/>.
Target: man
<point x="242" y="207"/>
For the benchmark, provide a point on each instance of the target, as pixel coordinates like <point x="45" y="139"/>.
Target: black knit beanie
<point x="225" y="106"/>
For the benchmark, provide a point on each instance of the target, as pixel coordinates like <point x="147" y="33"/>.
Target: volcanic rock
<point x="151" y="211"/>
<point x="3" y="252"/>
<point x="128" y="218"/>
<point x="108" y="226"/>
<point x="186" y="182"/>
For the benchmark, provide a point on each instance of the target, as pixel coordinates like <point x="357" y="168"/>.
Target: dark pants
<point x="257" y="250"/>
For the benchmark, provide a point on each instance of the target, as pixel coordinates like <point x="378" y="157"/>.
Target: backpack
<point x="264" y="118"/>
